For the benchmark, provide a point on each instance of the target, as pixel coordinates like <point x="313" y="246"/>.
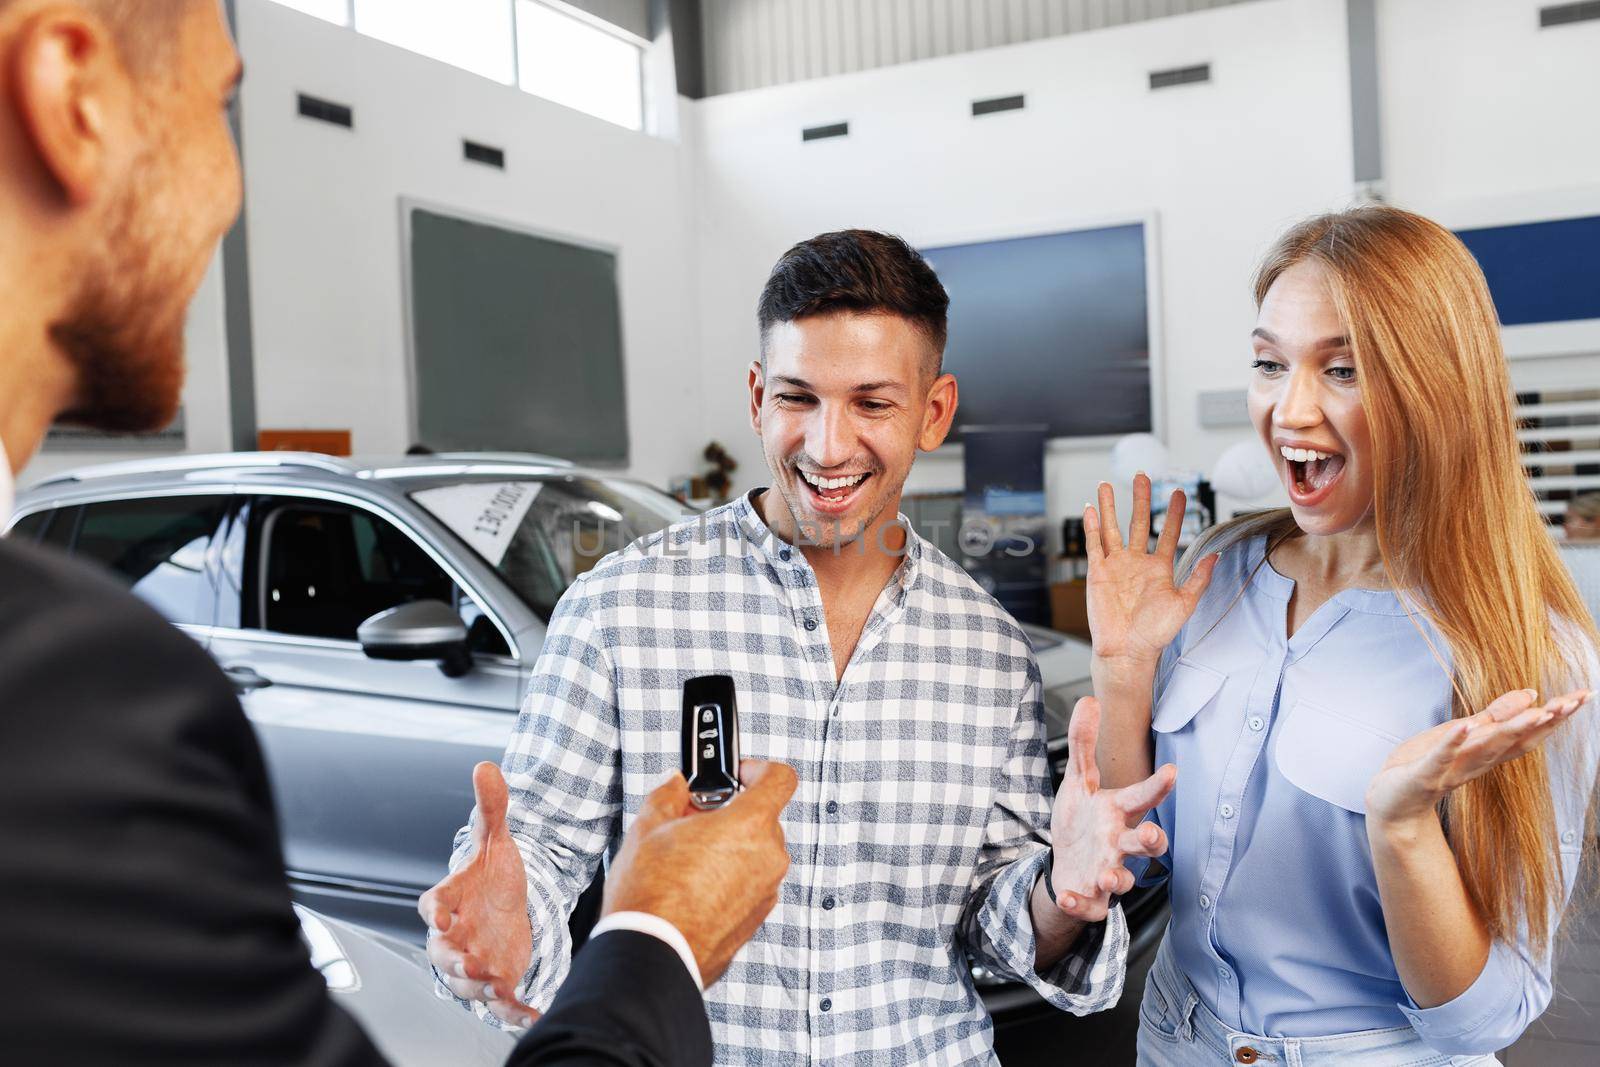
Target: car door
<point x="370" y="759"/>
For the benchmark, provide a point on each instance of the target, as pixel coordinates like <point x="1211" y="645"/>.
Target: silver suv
<point x="379" y="621"/>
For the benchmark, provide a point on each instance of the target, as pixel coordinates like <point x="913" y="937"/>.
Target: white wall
<point x="1489" y="120"/>
<point x="325" y="238"/>
<point x="1224" y="167"/>
<point x="1480" y="104"/>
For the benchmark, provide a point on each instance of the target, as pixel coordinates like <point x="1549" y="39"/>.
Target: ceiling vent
<point x="488" y="155"/>
<point x="1567" y="14"/>
<point x="1167" y="79"/>
<point x="998" y="103"/>
<point x="327" y="111"/>
<point x="818" y="133"/>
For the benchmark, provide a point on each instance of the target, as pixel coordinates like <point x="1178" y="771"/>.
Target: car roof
<point x="308" y="468"/>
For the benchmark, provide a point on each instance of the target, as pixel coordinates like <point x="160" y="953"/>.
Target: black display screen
<point x="1051" y="329"/>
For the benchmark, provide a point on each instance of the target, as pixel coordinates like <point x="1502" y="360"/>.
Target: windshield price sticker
<point x="485" y="515"/>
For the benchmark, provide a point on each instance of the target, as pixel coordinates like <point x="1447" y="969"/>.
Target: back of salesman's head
<point x="117" y="178"/>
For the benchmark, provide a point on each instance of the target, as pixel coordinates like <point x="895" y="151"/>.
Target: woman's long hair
<point x="1458" y="526"/>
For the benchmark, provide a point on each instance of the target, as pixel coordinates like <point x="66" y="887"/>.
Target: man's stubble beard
<point x="123" y="333"/>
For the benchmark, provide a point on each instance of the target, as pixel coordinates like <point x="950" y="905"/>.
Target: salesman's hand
<point x="478" y="932"/>
<point x="1095" y="830"/>
<point x="714" y="875"/>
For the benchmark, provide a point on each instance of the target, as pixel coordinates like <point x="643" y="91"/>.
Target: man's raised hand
<point x="479" y="937"/>
<point x="1094" y="831"/>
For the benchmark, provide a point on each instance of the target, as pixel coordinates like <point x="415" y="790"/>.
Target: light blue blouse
<point x="1275" y="911"/>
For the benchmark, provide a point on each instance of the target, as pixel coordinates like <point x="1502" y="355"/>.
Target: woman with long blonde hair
<point x="1371" y="696"/>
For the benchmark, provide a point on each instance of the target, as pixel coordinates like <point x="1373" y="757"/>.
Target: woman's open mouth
<point x="1312" y="474"/>
<point x="835" y="495"/>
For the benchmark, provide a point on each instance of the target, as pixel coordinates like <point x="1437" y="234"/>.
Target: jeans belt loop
<point x="1186" y="1016"/>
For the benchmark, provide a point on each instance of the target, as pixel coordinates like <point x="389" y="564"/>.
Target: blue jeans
<point x="1177" y="1030"/>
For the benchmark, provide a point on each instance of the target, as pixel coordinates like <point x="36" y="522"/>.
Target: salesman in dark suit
<point x="143" y="909"/>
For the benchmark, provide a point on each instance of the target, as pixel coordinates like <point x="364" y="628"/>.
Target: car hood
<point x="387" y="986"/>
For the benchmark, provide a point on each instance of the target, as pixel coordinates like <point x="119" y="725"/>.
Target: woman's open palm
<point x="1135" y="606"/>
<point x="1426" y="768"/>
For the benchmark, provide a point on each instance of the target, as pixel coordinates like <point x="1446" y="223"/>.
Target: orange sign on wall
<point x="328" y="442"/>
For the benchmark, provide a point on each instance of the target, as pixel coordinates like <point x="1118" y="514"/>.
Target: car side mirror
<point x="420" y="630"/>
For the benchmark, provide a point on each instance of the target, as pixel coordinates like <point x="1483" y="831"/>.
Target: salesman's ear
<point x="73" y="98"/>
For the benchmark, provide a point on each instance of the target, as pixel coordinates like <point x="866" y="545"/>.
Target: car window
<point x="62" y="528"/>
<point x="29" y="527"/>
<point x="326" y="568"/>
<point x="51" y="526"/>
<point x="158" y="547"/>
<point x="541" y="534"/>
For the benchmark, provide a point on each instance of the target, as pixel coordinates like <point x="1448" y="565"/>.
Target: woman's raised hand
<point x="1426" y="768"/>
<point x="1135" y="606"/>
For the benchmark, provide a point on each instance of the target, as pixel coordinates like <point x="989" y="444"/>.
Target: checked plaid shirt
<point x="923" y="811"/>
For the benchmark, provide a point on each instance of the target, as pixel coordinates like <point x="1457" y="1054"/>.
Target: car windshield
<point x="542" y="533"/>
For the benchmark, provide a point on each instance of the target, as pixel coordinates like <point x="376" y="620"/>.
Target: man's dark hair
<point x="855" y="270"/>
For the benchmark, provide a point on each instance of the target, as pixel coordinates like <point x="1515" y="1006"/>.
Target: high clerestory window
<point x="549" y="49"/>
<point x="575" y="62"/>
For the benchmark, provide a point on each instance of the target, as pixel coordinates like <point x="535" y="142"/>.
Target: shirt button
<point x="1569" y="836"/>
<point x="1256" y="722"/>
<point x="827" y="903"/>
<point x="811" y="624"/>
<point x="1205" y="902"/>
<point x="833" y="807"/>
<point x="784" y="555"/>
<point x="826" y="1005"/>
<point x="1224" y="974"/>
<point x="1246" y="1055"/>
<point x="1227" y="811"/>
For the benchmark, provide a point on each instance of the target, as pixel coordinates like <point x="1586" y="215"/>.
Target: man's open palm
<point x="478" y="932"/>
<point x="1096" y="830"/>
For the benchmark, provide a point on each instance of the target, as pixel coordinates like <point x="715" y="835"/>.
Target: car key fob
<point x="710" y="740"/>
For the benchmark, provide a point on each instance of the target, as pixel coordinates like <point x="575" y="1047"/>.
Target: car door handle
<point x="245" y="679"/>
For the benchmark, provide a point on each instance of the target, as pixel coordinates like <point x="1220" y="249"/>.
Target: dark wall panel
<point x="1051" y="329"/>
<point x="517" y="341"/>
<point x="1541" y="271"/>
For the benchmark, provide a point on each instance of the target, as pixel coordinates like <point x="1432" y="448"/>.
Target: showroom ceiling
<point x="754" y="43"/>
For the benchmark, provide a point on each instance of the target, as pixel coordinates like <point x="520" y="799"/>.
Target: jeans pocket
<point x="1158" y="1010"/>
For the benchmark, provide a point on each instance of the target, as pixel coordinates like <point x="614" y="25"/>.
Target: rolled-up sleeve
<point x="565" y="797"/>
<point x="997" y="922"/>
<point x="1515" y="986"/>
<point x="1493" y="1011"/>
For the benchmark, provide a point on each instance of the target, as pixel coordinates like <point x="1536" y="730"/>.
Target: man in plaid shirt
<point x="905" y="698"/>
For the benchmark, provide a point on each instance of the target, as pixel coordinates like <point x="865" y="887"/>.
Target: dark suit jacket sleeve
<point x="628" y="1002"/>
<point x="144" y="916"/>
